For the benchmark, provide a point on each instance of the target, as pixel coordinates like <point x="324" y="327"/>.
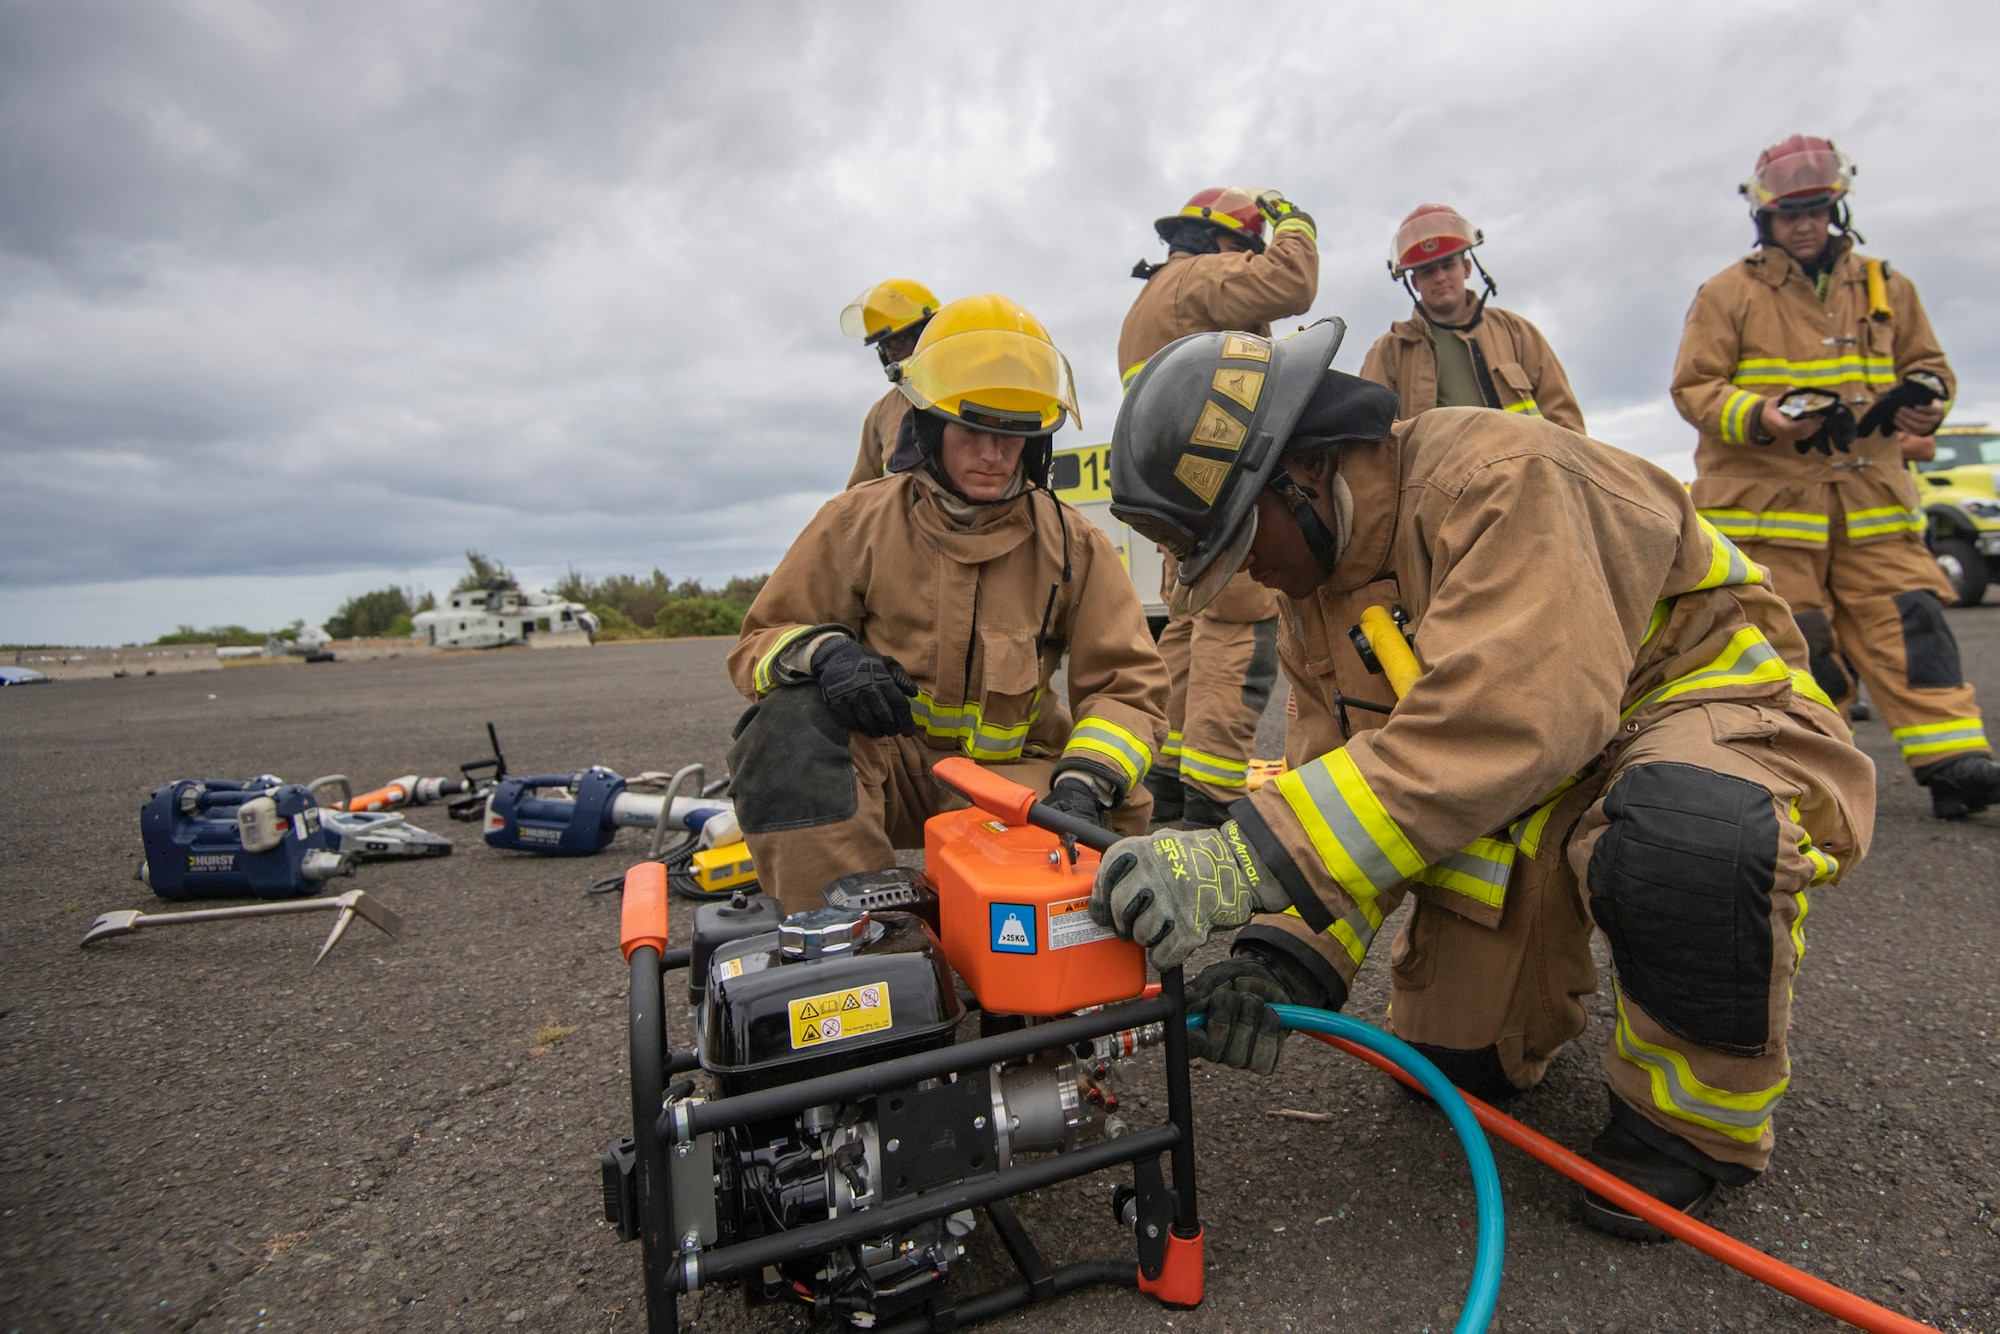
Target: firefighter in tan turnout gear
<point x="1455" y="351"/>
<point x="1219" y="274"/>
<point x="890" y="317"/>
<point x="1798" y="365"/>
<point x="922" y="615"/>
<point x="1604" y="715"/>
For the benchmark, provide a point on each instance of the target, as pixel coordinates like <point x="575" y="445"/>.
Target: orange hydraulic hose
<point x="1836" y="1302"/>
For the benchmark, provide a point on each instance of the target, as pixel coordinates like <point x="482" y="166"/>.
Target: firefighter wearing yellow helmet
<point x="1219" y="274"/>
<point x="923" y="615"/>
<point x="1455" y="351"/>
<point x="1799" y="364"/>
<point x="890" y="317"/>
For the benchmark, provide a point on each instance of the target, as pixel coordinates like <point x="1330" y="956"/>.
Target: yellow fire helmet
<point x="988" y="364"/>
<point x="887" y="308"/>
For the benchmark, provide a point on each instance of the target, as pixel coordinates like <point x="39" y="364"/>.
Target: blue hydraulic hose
<point x="1484" y="1291"/>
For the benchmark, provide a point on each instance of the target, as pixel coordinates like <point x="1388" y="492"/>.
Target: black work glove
<point x="1078" y="798"/>
<point x="1918" y="389"/>
<point x="1236" y="995"/>
<point x="1836" y="430"/>
<point x="866" y="691"/>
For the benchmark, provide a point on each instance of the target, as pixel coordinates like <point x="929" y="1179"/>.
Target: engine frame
<point x="673" y="1190"/>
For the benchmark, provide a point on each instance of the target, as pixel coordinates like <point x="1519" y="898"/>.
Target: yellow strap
<point x="1878" y="293"/>
<point x="1391" y="649"/>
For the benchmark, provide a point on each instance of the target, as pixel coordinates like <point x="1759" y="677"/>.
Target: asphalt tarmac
<point x="199" y="1129"/>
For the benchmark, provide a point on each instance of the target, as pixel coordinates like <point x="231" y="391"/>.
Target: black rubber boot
<point x="1476" y="1072"/>
<point x="1960" y="786"/>
<point x="1166" y="790"/>
<point x="1201" y="811"/>
<point x="1667" y="1168"/>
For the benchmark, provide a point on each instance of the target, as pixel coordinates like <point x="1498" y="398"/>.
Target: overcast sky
<point x="296" y="300"/>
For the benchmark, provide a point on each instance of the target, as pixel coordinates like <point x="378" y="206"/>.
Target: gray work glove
<point x="1170" y="890"/>
<point x="1237" y="995"/>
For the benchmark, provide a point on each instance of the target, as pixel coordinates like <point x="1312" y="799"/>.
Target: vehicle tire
<point x="1964" y="566"/>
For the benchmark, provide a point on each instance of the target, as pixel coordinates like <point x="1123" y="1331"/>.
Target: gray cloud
<point x="351" y="288"/>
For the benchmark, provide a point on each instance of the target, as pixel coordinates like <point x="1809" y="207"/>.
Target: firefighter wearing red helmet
<point x="1456" y="351"/>
<point x="1799" y="364"/>
<point x="1221" y="274"/>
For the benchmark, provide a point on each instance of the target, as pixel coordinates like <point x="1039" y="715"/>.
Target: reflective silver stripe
<point x="1098" y="734"/>
<point x="1213" y="769"/>
<point x="1345" y="825"/>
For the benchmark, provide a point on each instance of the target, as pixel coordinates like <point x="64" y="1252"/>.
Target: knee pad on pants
<point x="1930" y="651"/>
<point x="1478" y="1072"/>
<point x="1263" y="670"/>
<point x="1681" y="883"/>
<point x="791" y="765"/>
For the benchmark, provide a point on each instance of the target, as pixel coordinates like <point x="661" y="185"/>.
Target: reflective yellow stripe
<point x="1799" y="930"/>
<point x="1355" y="929"/>
<point x="1737" y="409"/>
<point x="1363" y="848"/>
<point x="1728" y="567"/>
<point x="1528" y="406"/>
<point x="1480" y="871"/>
<point x="1661" y="610"/>
<point x="760" y="678"/>
<point x="1747" y="660"/>
<point x="1741" y="1116"/>
<point x="1526" y="832"/>
<point x="1941" y="738"/>
<point x="1815" y="374"/>
<point x="976" y="737"/>
<point x="1767" y="525"/>
<point x="1296" y="224"/>
<point x="1882" y="521"/>
<point x="1214" y="769"/>
<point x="1125" y="380"/>
<point x="1100" y="736"/>
<point x="1803" y="683"/>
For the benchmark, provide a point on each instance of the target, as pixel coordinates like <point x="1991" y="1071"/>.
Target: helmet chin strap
<point x="1297" y="498"/>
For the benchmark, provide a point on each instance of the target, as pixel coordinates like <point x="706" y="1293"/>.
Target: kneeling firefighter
<point x="1609" y="720"/>
<point x="922" y="615"/>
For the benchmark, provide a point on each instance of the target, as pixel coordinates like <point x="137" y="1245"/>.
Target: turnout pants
<point x="817" y="803"/>
<point x="1221" y="666"/>
<point x="1881" y="604"/>
<point x="1694" y="854"/>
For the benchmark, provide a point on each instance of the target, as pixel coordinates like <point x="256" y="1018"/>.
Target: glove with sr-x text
<point x="866" y="691"/>
<point x="1170" y="890"/>
<point x="1237" y="995"/>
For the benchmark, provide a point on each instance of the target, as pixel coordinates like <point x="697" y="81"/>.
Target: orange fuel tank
<point x="1015" y="917"/>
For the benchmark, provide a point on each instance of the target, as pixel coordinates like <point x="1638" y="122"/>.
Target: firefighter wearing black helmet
<point x="1602" y="686"/>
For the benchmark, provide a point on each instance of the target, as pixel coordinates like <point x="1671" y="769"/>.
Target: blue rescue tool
<point x="216" y="838"/>
<point x="576" y="815"/>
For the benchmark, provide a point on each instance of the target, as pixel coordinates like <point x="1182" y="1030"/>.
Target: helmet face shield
<point x="1799" y="174"/>
<point x="1432" y="232"/>
<point x="1208" y="585"/>
<point x="989" y="376"/>
<point x="887" y="308"/>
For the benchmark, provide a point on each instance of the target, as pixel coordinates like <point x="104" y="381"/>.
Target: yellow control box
<point x="719" y="869"/>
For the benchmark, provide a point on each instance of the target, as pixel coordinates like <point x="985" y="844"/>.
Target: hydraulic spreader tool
<point x="843" y="1140"/>
<point x="576" y="815"/>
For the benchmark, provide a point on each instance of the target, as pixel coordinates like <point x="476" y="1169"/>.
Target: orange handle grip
<point x="644" y="918"/>
<point x="381" y="799"/>
<point x="986" y="789"/>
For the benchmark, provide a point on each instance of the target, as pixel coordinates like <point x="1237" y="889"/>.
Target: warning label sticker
<point x="839" y="1014"/>
<point x="731" y="968"/>
<point x="1070" y="924"/>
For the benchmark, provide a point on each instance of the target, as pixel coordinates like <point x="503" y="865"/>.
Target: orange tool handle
<point x="643" y="920"/>
<point x="381" y="799"/>
<point x="987" y="790"/>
